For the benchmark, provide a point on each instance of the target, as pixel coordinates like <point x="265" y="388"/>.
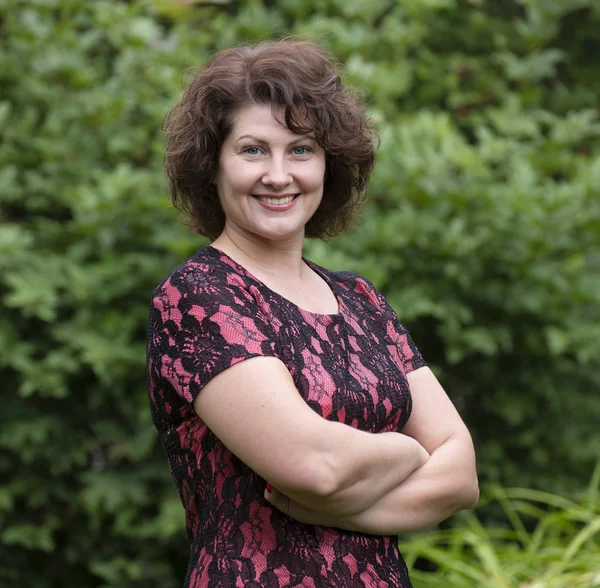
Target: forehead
<point x="260" y="120"/>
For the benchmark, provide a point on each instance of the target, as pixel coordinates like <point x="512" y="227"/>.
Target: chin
<point x="280" y="236"/>
<point x="280" y="233"/>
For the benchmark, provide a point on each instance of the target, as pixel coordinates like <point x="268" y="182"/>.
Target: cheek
<point x="321" y="172"/>
<point x="236" y="180"/>
<point x="315" y="177"/>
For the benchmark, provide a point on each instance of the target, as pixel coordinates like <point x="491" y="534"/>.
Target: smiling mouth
<point x="280" y="201"/>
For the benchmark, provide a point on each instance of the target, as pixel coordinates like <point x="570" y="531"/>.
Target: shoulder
<point x="355" y="285"/>
<point x="205" y="279"/>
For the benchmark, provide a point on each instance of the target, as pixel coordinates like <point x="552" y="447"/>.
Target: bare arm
<point x="418" y="502"/>
<point x="441" y="487"/>
<point x="254" y="408"/>
<point x="430" y="495"/>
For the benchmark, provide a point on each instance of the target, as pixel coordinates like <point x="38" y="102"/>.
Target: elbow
<point x="468" y="485"/>
<point x="472" y="498"/>
<point x="469" y="494"/>
<point x="325" y="481"/>
<point x="315" y="480"/>
<point x="320" y="484"/>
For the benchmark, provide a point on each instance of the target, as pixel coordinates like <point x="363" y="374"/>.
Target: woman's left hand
<point x="297" y="511"/>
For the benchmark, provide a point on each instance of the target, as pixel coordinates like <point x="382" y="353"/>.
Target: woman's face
<point x="270" y="180"/>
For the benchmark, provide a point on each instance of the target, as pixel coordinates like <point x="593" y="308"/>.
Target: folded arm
<point x="254" y="408"/>
<point x="446" y="483"/>
<point x="430" y="495"/>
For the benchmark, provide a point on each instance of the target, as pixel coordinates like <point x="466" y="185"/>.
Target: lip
<point x="287" y="195"/>
<point x="276" y="207"/>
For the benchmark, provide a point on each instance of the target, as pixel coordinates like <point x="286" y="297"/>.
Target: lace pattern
<point x="350" y="367"/>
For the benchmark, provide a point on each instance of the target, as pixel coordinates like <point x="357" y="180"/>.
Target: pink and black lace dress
<point x="209" y="314"/>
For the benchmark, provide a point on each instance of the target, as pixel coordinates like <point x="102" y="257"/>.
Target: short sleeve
<point x="201" y="324"/>
<point x="410" y="355"/>
<point x="396" y="333"/>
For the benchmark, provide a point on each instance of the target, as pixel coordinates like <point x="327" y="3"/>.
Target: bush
<point x="86" y="232"/>
<point x="482" y="228"/>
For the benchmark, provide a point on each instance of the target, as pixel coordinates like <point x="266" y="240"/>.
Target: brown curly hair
<point x="299" y="79"/>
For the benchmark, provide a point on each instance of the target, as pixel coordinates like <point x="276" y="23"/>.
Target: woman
<point x="279" y="388"/>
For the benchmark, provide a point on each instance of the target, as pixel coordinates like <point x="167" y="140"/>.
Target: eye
<point x="301" y="150"/>
<point x="251" y="150"/>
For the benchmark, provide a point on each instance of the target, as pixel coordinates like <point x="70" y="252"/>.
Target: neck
<point x="282" y="258"/>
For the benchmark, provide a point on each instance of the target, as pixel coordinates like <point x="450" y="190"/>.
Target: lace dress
<point x="209" y="314"/>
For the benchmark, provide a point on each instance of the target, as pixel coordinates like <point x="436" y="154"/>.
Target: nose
<point x="277" y="173"/>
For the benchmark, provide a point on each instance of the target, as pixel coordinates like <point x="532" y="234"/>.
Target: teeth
<point x="276" y="201"/>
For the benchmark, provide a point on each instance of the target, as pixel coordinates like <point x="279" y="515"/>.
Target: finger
<point x="278" y="500"/>
<point x="273" y="497"/>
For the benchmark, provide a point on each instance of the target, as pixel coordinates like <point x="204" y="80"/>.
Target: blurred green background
<point x="482" y="228"/>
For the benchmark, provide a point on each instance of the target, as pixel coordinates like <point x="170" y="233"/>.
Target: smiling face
<point x="270" y="180"/>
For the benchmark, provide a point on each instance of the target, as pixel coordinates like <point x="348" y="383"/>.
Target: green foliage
<point x="86" y="232"/>
<point x="482" y="228"/>
<point x="546" y="541"/>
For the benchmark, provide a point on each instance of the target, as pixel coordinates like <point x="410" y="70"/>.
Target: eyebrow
<point x="261" y="140"/>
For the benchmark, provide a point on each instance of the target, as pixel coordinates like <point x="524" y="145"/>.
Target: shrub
<point x="482" y="229"/>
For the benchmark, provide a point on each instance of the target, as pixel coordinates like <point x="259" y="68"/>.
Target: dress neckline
<point x="313" y="266"/>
